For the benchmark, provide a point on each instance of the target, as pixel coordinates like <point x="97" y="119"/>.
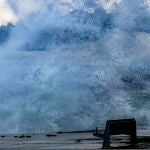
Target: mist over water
<point x="73" y="64"/>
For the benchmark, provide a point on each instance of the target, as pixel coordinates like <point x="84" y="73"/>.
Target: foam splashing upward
<point x="73" y="64"/>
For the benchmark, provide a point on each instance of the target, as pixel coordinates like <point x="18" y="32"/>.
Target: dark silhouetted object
<point x="116" y="127"/>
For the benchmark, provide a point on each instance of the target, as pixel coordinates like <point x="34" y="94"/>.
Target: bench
<point x="117" y="127"/>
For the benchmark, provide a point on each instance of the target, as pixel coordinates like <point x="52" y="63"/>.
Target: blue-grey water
<point x="73" y="64"/>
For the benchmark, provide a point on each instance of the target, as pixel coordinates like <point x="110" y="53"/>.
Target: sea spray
<point x="71" y="65"/>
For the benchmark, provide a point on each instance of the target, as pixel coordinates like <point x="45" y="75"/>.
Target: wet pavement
<point x="69" y="141"/>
